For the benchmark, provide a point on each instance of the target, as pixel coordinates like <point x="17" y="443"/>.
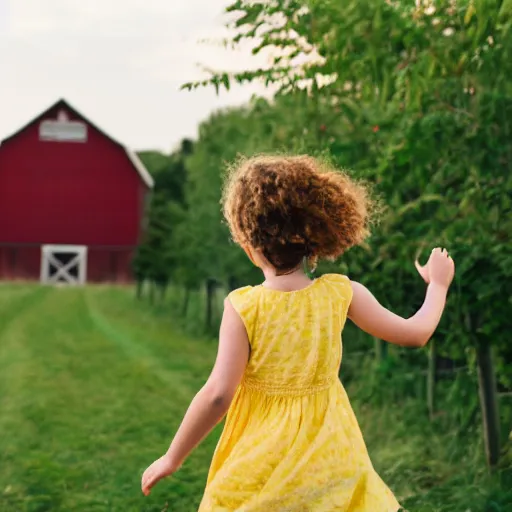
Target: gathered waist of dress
<point x="288" y="389"/>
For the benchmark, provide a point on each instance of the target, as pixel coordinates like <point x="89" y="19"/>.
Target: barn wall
<point x="23" y="263"/>
<point x="68" y="193"/>
<point x="109" y="265"/>
<point x="104" y="264"/>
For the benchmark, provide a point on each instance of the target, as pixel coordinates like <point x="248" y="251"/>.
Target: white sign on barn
<point x="62" y="129"/>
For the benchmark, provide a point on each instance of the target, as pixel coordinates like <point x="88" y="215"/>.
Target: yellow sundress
<point x="291" y="441"/>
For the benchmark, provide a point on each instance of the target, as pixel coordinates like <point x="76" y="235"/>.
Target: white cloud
<point x="120" y="63"/>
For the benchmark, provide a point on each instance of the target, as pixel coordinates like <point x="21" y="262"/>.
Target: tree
<point x="157" y="257"/>
<point x="419" y="99"/>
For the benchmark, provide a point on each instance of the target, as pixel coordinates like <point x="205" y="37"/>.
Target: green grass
<point x="93" y="384"/>
<point x="92" y="388"/>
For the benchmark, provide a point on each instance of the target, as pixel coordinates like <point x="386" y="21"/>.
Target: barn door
<point x="65" y="264"/>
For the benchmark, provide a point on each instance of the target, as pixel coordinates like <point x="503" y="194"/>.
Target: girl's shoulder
<point x="241" y="295"/>
<point x="340" y="283"/>
<point x="336" y="278"/>
<point x="242" y="300"/>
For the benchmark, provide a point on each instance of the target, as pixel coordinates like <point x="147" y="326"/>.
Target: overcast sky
<point x="119" y="62"/>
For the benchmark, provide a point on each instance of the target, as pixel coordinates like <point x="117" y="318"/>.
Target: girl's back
<point x="291" y="441"/>
<point x="294" y="336"/>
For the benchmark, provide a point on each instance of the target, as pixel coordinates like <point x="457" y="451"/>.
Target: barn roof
<point x="132" y="156"/>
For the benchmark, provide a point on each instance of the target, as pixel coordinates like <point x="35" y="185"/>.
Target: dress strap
<point x="244" y="302"/>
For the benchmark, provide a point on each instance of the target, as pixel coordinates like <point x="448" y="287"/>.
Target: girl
<point x="291" y="441"/>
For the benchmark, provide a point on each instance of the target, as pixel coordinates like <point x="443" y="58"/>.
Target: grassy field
<point x="93" y="385"/>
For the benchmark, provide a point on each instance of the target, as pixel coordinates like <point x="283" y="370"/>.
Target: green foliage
<point x="158" y="256"/>
<point x="417" y="99"/>
<point x="154" y="161"/>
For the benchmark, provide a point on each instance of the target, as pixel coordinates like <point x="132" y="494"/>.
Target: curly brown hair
<point x="291" y="207"/>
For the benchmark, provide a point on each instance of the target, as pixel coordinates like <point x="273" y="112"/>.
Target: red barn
<point x="72" y="201"/>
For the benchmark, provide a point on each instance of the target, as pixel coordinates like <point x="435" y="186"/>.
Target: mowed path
<point x="93" y="385"/>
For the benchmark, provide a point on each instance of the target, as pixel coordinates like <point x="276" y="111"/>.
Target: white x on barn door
<point x="63" y="264"/>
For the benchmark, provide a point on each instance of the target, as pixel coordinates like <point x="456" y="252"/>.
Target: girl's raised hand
<point x="439" y="269"/>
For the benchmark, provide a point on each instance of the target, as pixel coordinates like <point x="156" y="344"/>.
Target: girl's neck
<point x="288" y="282"/>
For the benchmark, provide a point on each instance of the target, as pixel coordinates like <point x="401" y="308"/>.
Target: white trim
<point x="48" y="257"/>
<point x="143" y="172"/>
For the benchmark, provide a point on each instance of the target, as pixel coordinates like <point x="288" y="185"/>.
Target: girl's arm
<point x="211" y="403"/>
<point x="366" y="312"/>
